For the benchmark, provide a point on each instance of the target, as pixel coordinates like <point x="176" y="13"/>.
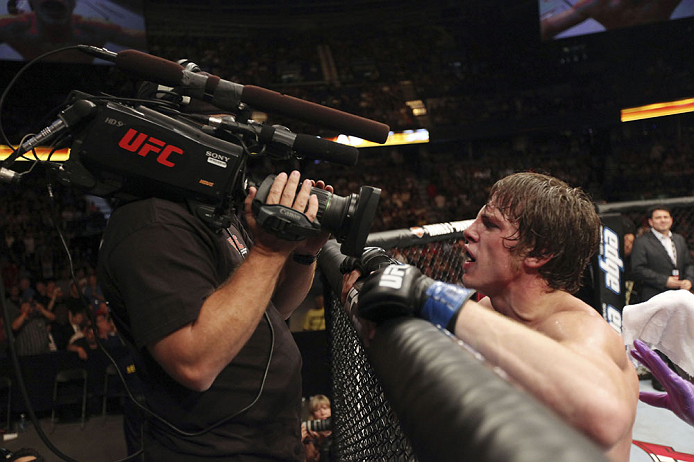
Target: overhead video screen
<point x="29" y="28"/>
<point x="569" y="18"/>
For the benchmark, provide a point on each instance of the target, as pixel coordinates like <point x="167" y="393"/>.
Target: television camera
<point x="155" y="146"/>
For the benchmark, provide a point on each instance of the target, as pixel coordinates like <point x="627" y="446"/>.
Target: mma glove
<point x="371" y="259"/>
<point x="679" y="393"/>
<point x="402" y="290"/>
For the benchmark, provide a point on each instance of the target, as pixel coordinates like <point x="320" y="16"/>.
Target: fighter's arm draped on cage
<point x="572" y="361"/>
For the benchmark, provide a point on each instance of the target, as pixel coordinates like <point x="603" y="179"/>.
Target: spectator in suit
<point x="660" y="259"/>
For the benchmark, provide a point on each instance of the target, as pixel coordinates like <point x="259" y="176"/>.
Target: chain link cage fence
<point x="367" y="428"/>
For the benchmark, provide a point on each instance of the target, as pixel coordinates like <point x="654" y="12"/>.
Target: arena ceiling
<point x="220" y="17"/>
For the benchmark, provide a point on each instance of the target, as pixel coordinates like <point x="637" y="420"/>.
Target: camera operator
<point x="205" y="311"/>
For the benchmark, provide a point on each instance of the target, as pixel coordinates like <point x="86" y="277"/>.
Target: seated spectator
<point x="25" y="288"/>
<point x="41" y="294"/>
<point x="108" y="335"/>
<point x="86" y="345"/>
<point x="73" y="299"/>
<point x="78" y="316"/>
<point x="13" y="297"/>
<point x="30" y="326"/>
<point x="317" y="443"/>
<point x="96" y="361"/>
<point x="92" y="292"/>
<point x="61" y="328"/>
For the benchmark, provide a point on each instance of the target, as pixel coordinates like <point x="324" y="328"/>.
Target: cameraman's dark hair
<point x="554" y="220"/>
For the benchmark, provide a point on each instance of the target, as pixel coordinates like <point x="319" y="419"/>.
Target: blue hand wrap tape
<point x="443" y="302"/>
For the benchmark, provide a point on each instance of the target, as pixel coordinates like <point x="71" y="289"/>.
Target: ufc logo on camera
<point x="133" y="143"/>
<point x="392" y="277"/>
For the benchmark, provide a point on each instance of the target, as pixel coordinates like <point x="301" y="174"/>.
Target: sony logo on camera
<point x="217" y="159"/>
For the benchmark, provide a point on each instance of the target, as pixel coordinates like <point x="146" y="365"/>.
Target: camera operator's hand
<point x="312" y="246"/>
<point x="284" y="192"/>
<point x="402" y="290"/>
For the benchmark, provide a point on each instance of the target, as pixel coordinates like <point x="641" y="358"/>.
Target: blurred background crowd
<point x="496" y="100"/>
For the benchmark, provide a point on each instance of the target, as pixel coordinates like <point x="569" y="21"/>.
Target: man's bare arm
<point x="580" y="380"/>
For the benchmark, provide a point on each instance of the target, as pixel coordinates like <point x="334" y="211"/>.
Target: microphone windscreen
<point x="319" y="148"/>
<point x="349" y="124"/>
<point x="150" y="67"/>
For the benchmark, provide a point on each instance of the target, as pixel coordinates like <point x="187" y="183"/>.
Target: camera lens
<point x="348" y="218"/>
<point x="319" y="425"/>
<point x="335" y="212"/>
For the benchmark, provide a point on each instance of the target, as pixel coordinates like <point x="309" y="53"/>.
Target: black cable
<point x="20" y="379"/>
<point x="14" y="80"/>
<point x="90" y="315"/>
<point x="71" y="267"/>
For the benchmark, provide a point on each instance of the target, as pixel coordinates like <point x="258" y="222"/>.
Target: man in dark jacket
<point x="660" y="259"/>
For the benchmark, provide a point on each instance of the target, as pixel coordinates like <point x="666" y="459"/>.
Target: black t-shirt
<point x="157" y="265"/>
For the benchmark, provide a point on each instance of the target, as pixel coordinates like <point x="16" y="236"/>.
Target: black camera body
<point x="140" y="152"/>
<point x="136" y="152"/>
<point x="131" y="153"/>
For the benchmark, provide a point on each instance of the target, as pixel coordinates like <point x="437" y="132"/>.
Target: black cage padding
<point x="452" y="406"/>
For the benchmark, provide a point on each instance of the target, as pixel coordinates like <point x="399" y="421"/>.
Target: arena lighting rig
<point x="648" y="111"/>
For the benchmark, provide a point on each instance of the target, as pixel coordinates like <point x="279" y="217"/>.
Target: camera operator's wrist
<point x="305" y="259"/>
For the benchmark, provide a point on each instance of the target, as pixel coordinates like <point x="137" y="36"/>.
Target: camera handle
<point x="284" y="222"/>
<point x="278" y="220"/>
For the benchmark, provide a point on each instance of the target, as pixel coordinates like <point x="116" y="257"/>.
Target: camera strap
<point x="284" y="222"/>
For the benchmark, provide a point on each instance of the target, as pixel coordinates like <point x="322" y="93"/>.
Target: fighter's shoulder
<point x="574" y="320"/>
<point x="582" y="328"/>
<point x="574" y="312"/>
